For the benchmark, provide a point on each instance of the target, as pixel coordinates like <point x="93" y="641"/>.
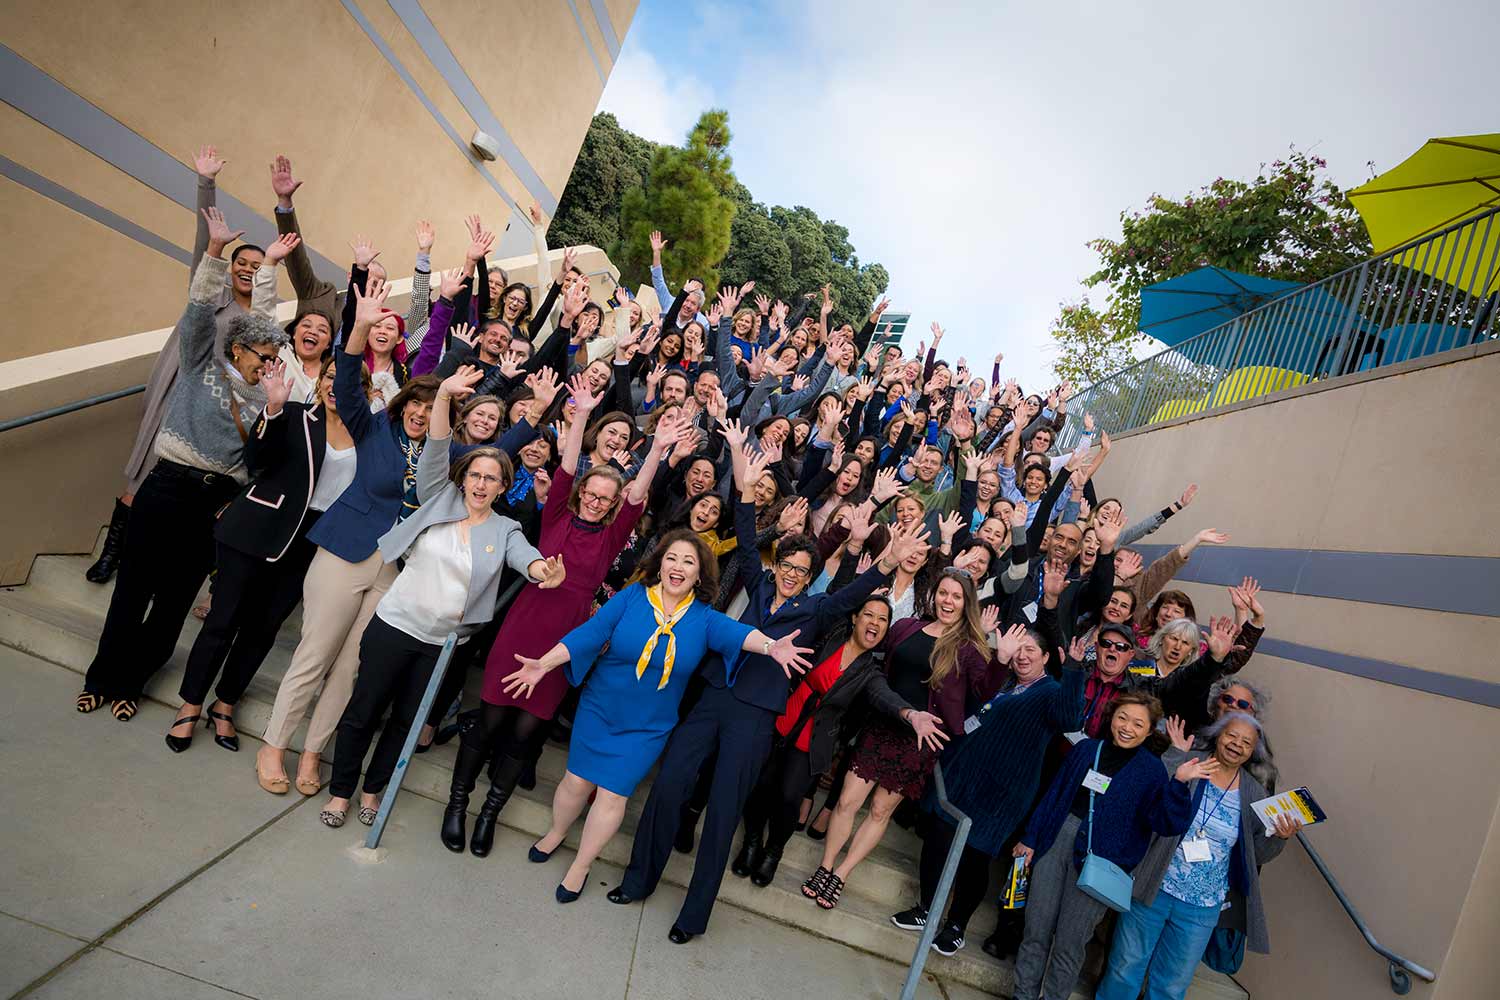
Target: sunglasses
<point x="1233" y="702"/>
<point x="1118" y="645"/>
<point x="265" y="359"/>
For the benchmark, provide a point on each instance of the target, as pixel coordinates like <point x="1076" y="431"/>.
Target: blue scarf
<point x="521" y="487"/>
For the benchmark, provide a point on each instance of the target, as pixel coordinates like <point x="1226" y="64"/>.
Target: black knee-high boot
<point x="114" y="544"/>
<point x="505" y="771"/>
<point x="471" y="754"/>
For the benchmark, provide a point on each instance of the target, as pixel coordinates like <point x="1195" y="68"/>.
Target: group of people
<point x="770" y="555"/>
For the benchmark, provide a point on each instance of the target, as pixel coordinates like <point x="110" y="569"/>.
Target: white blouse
<point x="334" y="477"/>
<point x="427" y="600"/>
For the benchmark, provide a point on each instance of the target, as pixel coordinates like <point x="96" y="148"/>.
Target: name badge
<point x="1196" y="850"/>
<point x="1030" y="612"/>
<point x="1075" y="738"/>
<point x="1096" y="782"/>
<point x="971" y="724"/>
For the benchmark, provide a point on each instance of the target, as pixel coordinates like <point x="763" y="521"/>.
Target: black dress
<point x="887" y="751"/>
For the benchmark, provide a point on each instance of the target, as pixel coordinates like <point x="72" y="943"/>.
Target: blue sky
<point x="973" y="149"/>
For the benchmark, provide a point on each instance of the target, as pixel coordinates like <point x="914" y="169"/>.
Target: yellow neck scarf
<point x="664" y="623"/>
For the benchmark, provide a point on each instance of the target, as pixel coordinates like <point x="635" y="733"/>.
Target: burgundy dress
<point x="538" y="619"/>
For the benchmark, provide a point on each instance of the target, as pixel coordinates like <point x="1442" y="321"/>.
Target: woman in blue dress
<point x="657" y="631"/>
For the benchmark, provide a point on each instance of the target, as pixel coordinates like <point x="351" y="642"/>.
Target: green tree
<point x="610" y="162"/>
<point x="687" y="196"/>
<point x="1290" y="222"/>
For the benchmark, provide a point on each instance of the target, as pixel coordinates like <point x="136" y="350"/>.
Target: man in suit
<point x="737" y="713"/>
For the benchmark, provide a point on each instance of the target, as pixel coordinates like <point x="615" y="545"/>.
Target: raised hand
<point x="772" y="451"/>
<point x="535" y="211"/>
<point x="1127" y="564"/>
<point x="479" y="245"/>
<point x="364" y="251"/>
<point x="907" y="542"/>
<point x="369" y="305"/>
<point x="544" y="387"/>
<point x="208" y="162"/>
<point x="1084" y="508"/>
<point x="282" y="182"/>
<point x="793" y="516"/>
<point x="573" y="302"/>
<point x="948" y="526"/>
<point x="553" y="573"/>
<point x="861" y="523"/>
<point x="474" y="226"/>
<point x="425" y="236"/>
<point x="451" y="282"/>
<point x="1187" y="496"/>
<point x="763" y="304"/>
<point x="1211" y="536"/>
<point x="789" y="655"/>
<point x="1007" y="642"/>
<point x="1107" y="528"/>
<point x="937" y="334"/>
<point x="836" y="455"/>
<point x="1078" y="649"/>
<point x="989" y="619"/>
<point x="1177" y="733"/>
<point x="460" y="385"/>
<point x="219" y="233"/>
<point x="716" y="313"/>
<point x="800" y="382"/>
<point x="753" y="464"/>
<point x="1221" y="635"/>
<point x="657" y="243"/>
<point x="654" y="377"/>
<point x="866" y="560"/>
<point x="1018" y="515"/>
<point x="1054" y="580"/>
<point x="880" y="307"/>
<point x="578" y="388"/>
<point x="569" y="260"/>
<point x="278" y="385"/>
<point x="928" y="729"/>
<point x="466" y="333"/>
<point x="282" y="247"/>
<point x="1188" y="770"/>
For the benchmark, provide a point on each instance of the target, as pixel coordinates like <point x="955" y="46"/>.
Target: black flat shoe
<point x="566" y="895"/>
<point x="230" y="742"/>
<point x="422" y="748"/>
<point x="619" y="896"/>
<point x="679" y="936"/>
<point x="124" y="709"/>
<point x="177" y="744"/>
<point x="765" y="873"/>
<point x="537" y="856"/>
<point x="748" y="859"/>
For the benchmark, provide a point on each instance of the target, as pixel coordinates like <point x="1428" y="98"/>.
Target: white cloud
<point x="648" y="101"/>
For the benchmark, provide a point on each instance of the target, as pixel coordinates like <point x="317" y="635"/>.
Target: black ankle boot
<point x="764" y="873"/>
<point x="749" y="857"/>
<point x="114" y="544"/>
<point x="503" y="774"/>
<point x="466" y="768"/>
<point x="687" y="829"/>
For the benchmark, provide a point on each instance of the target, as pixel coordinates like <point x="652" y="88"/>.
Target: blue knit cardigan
<point x="1143" y="799"/>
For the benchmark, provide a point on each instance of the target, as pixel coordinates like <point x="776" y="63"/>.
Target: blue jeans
<point x="1166" y="940"/>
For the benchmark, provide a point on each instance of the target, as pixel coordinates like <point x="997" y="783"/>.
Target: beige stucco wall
<point x="1397" y="464"/>
<point x="87" y="307"/>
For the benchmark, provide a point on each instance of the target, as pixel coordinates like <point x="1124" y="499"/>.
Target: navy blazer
<point x="759" y="680"/>
<point x="368" y="507"/>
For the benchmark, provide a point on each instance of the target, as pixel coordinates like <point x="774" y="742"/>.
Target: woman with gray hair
<point x="200" y="468"/>
<point x="1230" y="694"/>
<point x="1185" y="881"/>
<point x="1181" y="671"/>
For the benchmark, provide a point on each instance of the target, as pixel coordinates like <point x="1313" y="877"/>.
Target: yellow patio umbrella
<point x="1446" y="181"/>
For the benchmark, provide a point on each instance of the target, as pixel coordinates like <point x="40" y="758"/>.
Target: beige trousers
<point x="338" y="600"/>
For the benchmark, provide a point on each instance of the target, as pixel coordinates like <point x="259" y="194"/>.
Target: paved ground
<point x="128" y="872"/>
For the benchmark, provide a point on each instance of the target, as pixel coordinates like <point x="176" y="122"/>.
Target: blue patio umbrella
<point x="1183" y="307"/>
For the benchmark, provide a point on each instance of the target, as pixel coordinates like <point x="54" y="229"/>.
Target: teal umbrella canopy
<point x="1183" y="307"/>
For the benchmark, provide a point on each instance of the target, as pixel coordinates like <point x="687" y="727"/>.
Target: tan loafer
<point x="309" y="785"/>
<point x="275" y="784"/>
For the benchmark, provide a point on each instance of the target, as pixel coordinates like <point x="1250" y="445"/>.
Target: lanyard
<point x="1213" y="812"/>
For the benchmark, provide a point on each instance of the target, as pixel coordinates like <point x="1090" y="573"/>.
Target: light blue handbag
<point x="1101" y="878"/>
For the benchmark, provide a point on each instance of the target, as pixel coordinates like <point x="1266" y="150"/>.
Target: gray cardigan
<point x="1245" y="912"/>
<point x="495" y="542"/>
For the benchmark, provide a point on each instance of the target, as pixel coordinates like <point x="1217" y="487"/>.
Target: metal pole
<point x="1400" y="981"/>
<point x="428" y="697"/>
<point x="73" y="407"/>
<point x="944" y="886"/>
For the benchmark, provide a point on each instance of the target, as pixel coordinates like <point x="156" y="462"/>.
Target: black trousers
<point x="464" y="658"/>
<point x="742" y="735"/>
<point x="970" y="882"/>
<point x="776" y="803"/>
<point x="169" y="548"/>
<point x="252" y="599"/>
<point x="394" y="670"/>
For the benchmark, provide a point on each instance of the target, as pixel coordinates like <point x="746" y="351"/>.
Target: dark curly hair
<point x="707" y="587"/>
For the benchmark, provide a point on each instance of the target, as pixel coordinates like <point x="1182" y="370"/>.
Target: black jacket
<point x="862" y="685"/>
<point x="284" y="455"/>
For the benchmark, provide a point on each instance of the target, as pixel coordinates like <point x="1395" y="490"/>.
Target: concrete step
<point x="58" y="614"/>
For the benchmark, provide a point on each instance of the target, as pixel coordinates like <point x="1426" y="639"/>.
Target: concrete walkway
<point x="129" y="872"/>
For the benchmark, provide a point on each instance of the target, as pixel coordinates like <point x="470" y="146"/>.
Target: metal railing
<point x="73" y="407"/>
<point x="1398" y="967"/>
<point x="944" y="886"/>
<point x="388" y="800"/>
<point x="1425" y="297"/>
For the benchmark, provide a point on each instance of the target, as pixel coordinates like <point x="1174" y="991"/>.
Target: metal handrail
<point x="73" y="407"/>
<point x="944" y="886"/>
<point x="388" y="800"/>
<point x="1426" y="296"/>
<point x="1398" y="966"/>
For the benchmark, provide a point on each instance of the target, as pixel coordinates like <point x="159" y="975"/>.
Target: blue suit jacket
<point x="759" y="680"/>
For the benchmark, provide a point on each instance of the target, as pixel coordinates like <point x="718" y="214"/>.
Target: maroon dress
<point x="538" y="619"/>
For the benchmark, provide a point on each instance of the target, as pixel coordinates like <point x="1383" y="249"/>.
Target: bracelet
<point x="767" y="650"/>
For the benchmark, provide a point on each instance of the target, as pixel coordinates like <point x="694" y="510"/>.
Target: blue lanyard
<point x="1215" y="810"/>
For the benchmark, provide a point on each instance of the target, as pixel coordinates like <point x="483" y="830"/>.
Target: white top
<point x="386" y="387"/>
<point x="427" y="600"/>
<point x="334" y="477"/>
<point x="304" y="386"/>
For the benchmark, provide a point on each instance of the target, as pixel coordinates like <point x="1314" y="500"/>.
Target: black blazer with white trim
<point x="284" y="454"/>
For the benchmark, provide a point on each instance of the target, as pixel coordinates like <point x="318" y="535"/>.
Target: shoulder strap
<point x="1090" y="848"/>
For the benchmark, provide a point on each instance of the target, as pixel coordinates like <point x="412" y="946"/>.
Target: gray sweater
<point x="199" y="428"/>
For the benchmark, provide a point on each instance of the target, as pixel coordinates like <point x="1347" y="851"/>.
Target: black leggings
<point x="509" y="731"/>
<point x="971" y="881"/>
<point x="777" y="800"/>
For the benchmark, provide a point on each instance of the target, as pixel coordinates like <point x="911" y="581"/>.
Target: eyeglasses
<point x="482" y="477"/>
<point x="516" y="300"/>
<point x="595" y="499"/>
<point x="1233" y="702"/>
<point x="1118" y="645"/>
<point x="794" y="571"/>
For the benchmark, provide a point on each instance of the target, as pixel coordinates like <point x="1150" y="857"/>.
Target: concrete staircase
<point x="57" y="616"/>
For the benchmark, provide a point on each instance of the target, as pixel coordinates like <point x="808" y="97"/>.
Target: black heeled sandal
<point x="813" y="887"/>
<point x="832" y="889"/>
<point x="177" y="744"/>
<point x="230" y="742"/>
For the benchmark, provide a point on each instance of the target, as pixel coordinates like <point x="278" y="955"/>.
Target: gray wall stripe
<point x="444" y="61"/>
<point x="1468" y="689"/>
<point x="578" y="20"/>
<point x="606" y="28"/>
<point x="516" y="239"/>
<point x="1467" y="585"/>
<point x="37" y="95"/>
<point x="68" y="199"/>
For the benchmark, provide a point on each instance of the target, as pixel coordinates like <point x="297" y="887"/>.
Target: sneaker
<point x="948" y="940"/>
<point x="913" y="919"/>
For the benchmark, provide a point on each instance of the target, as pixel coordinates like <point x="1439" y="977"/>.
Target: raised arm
<point x="418" y="306"/>
<point x="207" y="163"/>
<point x="312" y="292"/>
<point x="668" y="432"/>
